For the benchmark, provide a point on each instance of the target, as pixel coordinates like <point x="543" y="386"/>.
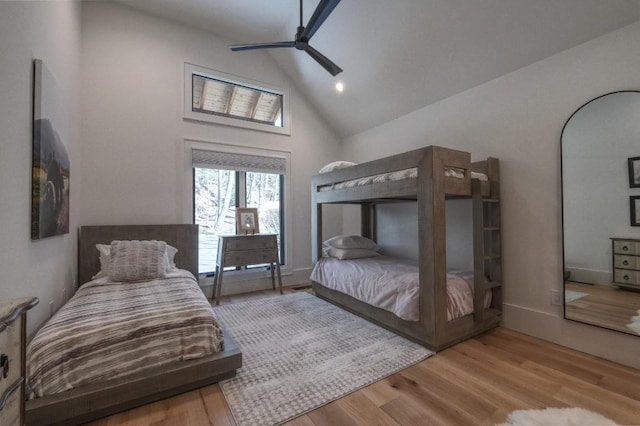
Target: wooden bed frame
<point x="90" y="402"/>
<point x="430" y="190"/>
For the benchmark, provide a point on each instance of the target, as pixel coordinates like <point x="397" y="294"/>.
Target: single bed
<point x="154" y="338"/>
<point x="428" y="176"/>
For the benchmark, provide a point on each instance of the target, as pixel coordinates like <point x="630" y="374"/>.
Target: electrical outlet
<point x="556" y="297"/>
<point x="51" y="308"/>
<point x="64" y="295"/>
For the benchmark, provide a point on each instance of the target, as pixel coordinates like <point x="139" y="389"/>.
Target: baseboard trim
<point x="612" y="345"/>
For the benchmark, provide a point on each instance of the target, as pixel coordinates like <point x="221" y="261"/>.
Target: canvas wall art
<point x="50" y="161"/>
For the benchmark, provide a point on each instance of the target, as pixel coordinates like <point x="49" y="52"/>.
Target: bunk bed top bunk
<point x="399" y="177"/>
<point x="429" y="176"/>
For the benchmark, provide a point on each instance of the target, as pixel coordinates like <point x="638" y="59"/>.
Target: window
<point x="225" y="99"/>
<point x="223" y="181"/>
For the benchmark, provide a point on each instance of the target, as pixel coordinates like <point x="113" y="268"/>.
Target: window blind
<point x="239" y="162"/>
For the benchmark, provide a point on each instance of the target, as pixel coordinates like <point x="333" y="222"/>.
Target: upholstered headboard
<point x="181" y="236"/>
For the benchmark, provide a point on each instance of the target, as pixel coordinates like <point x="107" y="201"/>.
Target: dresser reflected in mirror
<point x="601" y="212"/>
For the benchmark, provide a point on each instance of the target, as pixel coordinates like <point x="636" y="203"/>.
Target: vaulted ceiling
<point x="402" y="55"/>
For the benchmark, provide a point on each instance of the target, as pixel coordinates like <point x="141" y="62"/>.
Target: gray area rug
<point x="300" y="352"/>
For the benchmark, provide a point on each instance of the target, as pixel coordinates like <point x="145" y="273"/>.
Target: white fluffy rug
<point x="571" y="295"/>
<point x="556" y="416"/>
<point x="300" y="352"/>
<point x="635" y="323"/>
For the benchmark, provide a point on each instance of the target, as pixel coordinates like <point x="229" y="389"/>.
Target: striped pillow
<point x="137" y="260"/>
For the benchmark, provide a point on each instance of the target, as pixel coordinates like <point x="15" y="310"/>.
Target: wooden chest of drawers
<point x="12" y="358"/>
<point x="243" y="250"/>
<point x="626" y="262"/>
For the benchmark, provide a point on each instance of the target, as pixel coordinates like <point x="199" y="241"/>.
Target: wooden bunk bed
<point x="97" y="400"/>
<point x="431" y="186"/>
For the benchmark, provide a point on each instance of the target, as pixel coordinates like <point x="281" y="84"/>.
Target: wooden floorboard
<point x="604" y="305"/>
<point x="477" y="382"/>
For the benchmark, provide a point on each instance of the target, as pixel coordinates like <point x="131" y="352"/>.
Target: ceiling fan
<point x="303" y="35"/>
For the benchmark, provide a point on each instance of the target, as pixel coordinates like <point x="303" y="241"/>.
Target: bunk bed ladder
<point x="487" y="252"/>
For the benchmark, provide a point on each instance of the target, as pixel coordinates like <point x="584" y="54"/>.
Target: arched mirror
<point x="601" y="212"/>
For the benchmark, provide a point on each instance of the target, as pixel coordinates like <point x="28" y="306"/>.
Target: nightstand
<point x="626" y="262"/>
<point x="13" y="323"/>
<point x="243" y="250"/>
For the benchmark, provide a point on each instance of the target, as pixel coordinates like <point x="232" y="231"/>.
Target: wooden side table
<point x="13" y="323"/>
<point x="243" y="250"/>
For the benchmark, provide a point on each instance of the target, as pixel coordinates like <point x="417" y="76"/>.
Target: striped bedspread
<point x="108" y="330"/>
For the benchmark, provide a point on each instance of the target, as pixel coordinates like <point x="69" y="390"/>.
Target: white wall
<point x="133" y="128"/>
<point x="518" y="118"/>
<point x="49" y="31"/>
<point x="398" y="231"/>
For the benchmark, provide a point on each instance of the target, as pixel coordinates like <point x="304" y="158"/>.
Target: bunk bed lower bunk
<point x="429" y="176"/>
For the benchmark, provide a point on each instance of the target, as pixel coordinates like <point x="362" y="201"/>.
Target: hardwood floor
<point x="477" y="382"/>
<point x="604" y="306"/>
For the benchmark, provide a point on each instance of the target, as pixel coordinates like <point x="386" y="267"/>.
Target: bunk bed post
<point x="445" y="331"/>
<point x="428" y="243"/>
<point x="316" y="225"/>
<point x="368" y="221"/>
<point x="478" y="252"/>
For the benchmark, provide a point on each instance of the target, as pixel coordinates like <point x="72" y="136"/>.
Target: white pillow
<point x="105" y="260"/>
<point x="344" y="254"/>
<point x="351" y="242"/>
<point x="336" y="165"/>
<point x="170" y="254"/>
<point x="137" y="260"/>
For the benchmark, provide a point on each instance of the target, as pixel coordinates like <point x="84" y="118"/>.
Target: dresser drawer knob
<point x="625" y="263"/>
<point x="626" y="277"/>
<point x="4" y="364"/>
<point x="625" y="248"/>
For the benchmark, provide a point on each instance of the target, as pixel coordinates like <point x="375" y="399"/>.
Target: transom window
<point x="225" y="99"/>
<point x="214" y="96"/>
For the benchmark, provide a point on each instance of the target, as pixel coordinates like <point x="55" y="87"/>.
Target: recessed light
<point x="339" y="86"/>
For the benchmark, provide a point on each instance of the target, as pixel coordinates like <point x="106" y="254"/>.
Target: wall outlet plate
<point x="556" y="297"/>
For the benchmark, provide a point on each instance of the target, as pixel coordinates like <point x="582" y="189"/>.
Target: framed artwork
<point x="634" y="172"/>
<point x="634" y="205"/>
<point x="50" y="161"/>
<point x="247" y="221"/>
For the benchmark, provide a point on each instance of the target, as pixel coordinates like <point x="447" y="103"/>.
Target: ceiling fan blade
<point x="254" y="46"/>
<point x="326" y="63"/>
<point x="322" y="12"/>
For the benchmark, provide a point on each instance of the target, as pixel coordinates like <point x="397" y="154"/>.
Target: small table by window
<point x="243" y="250"/>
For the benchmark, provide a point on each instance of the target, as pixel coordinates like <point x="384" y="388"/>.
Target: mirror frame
<point x="564" y="305"/>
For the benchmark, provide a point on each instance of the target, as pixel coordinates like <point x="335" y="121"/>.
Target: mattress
<point x="392" y="284"/>
<point x="397" y="175"/>
<point x="108" y="330"/>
